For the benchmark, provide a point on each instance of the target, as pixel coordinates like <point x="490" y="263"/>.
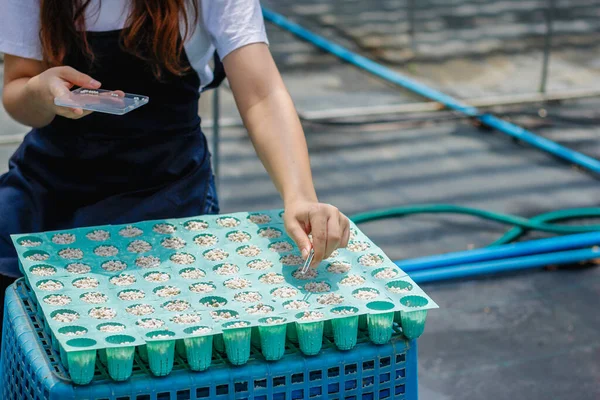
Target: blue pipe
<point x="496" y="266"/>
<point x="450" y="102"/>
<point x="520" y="249"/>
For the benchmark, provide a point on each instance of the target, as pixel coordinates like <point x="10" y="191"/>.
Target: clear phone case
<point x="100" y="100"/>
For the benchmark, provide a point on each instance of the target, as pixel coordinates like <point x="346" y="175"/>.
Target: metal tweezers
<point x="309" y="259"/>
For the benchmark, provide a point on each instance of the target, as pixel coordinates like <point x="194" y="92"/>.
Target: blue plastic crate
<point x="31" y="370"/>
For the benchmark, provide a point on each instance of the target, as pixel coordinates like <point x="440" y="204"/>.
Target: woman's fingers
<point x="78" y="78"/>
<point x="299" y="236"/>
<point x="318" y="223"/>
<point x="334" y="232"/>
<point x="345" y="224"/>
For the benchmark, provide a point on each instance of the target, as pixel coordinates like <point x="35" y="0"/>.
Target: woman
<point x="77" y="168"/>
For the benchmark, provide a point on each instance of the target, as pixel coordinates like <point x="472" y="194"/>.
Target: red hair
<point x="152" y="31"/>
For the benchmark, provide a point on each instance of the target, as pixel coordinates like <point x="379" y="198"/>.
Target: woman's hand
<point x="56" y="82"/>
<point x="330" y="229"/>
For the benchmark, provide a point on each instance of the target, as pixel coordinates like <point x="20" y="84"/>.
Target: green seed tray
<point x="205" y="282"/>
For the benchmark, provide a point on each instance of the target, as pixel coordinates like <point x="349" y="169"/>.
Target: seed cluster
<point x="157" y="277"/>
<point x="216" y="255"/>
<point x="227" y="269"/>
<point x="296" y="305"/>
<point x="196" y="225"/>
<point x="150" y="323"/>
<point x="176" y="305"/>
<point x="147" y="261"/>
<point x="183" y="258"/>
<point x="57" y="300"/>
<point x="185" y="319"/>
<point x="75" y="333"/>
<point x="330" y="298"/>
<point x="221" y="315"/>
<point x="94" y="297"/>
<point x="168" y="291"/>
<point x="71" y="254"/>
<point x="311" y="316"/>
<point x="50" y="285"/>
<point x="370" y="260"/>
<point x="29" y="243"/>
<point x="317" y="287"/>
<point x="339" y="267"/>
<point x="206" y="240"/>
<point x="260" y="309"/>
<point x="366" y="294"/>
<point x="291" y="260"/>
<point x="165" y="229"/>
<point x="274" y="321"/>
<point x="123" y="280"/>
<point x="173" y="243"/>
<point x="344" y="311"/>
<point x="192" y="273"/>
<point x="239" y="237"/>
<point x="270" y="233"/>
<point x="202" y="288"/>
<point x="248" y="297"/>
<point x="140" y="309"/>
<point x="114" y="266"/>
<point x="98" y="235"/>
<point x="214" y="302"/>
<point x="260" y="265"/>
<point x="387" y="273"/>
<point x="237" y="283"/>
<point x="112" y="328"/>
<point x="139" y="246"/>
<point x="132" y="294"/>
<point x="43" y="270"/>
<point x="78" y="268"/>
<point x="358" y="246"/>
<point x="353" y="280"/>
<point x="130" y="231"/>
<point x="249" y="251"/>
<point x="260" y="218"/>
<point x="281" y="247"/>
<point x="228" y="222"/>
<point x="67" y="316"/>
<point x="240" y="324"/>
<point x="201" y="331"/>
<point x="284" y="292"/>
<point x="102" y="313"/>
<point x="63" y="238"/>
<point x="106" y="251"/>
<point x="86" y="283"/>
<point x="310" y="273"/>
<point x="38" y="257"/>
<point x="271" y="278"/>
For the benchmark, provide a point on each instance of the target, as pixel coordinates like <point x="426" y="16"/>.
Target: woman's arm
<point x="29" y="90"/>
<point x="271" y="119"/>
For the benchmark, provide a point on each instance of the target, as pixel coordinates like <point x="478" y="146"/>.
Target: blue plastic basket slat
<point x="32" y="370"/>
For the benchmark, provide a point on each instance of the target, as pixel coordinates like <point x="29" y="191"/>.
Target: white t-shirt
<point x="224" y="25"/>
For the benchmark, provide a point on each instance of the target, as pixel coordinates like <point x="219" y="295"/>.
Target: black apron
<point x="151" y="163"/>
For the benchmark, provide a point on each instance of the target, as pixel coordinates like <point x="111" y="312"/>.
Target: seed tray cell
<point x="237" y="279"/>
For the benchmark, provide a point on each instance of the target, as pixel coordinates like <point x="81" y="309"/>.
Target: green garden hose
<point x="520" y="225"/>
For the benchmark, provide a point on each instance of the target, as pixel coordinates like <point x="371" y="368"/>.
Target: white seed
<point x="220" y="315"/>
<point x="65" y="316"/>
<point x="168" y="291"/>
<point x="311" y="316"/>
<point x="206" y="240"/>
<point x="177" y="305"/>
<point x="260" y="308"/>
<point x="38" y="257"/>
<point x="130" y="231"/>
<point x="260" y="265"/>
<point x="317" y="287"/>
<point x="396" y="289"/>
<point x="161" y="336"/>
<point x="71" y="254"/>
<point x="281" y="247"/>
<point x="140" y="309"/>
<point x="216" y="255"/>
<point x="259" y="218"/>
<point x="237" y="283"/>
<point x="29" y="243"/>
<point x="270" y="233"/>
<point x="370" y="260"/>
<point x="129" y="295"/>
<point x="214" y="303"/>
<point x="248" y="297"/>
<point x="183" y="258"/>
<point x="43" y="271"/>
<point x="75" y="333"/>
<point x="98" y="235"/>
<point x="57" y="300"/>
<point x="239" y="237"/>
<point x="352" y="280"/>
<point x="78" y="268"/>
<point x="284" y="292"/>
<point x="186" y="319"/>
<point x="310" y="273"/>
<point x="344" y="311"/>
<point x="50" y="285"/>
<point x="196" y="225"/>
<point x="228" y="222"/>
<point x="387" y="273"/>
<point x="201" y="331"/>
<point x="330" y="298"/>
<point x="271" y="278"/>
<point x="139" y="246"/>
<point x="275" y="321"/>
<point x="202" y="288"/>
<point x="94" y="298"/>
<point x="165" y="229"/>
<point x="114" y="266"/>
<point x="291" y="260"/>
<point x="366" y="294"/>
<point x="358" y="246"/>
<point x="123" y="280"/>
<point x="339" y="267"/>
<point x="149" y="323"/>
<point x="86" y="283"/>
<point x="63" y="238"/>
<point x="227" y="269"/>
<point x="240" y="324"/>
<point x="353" y="233"/>
<point x="147" y="261"/>
<point x="249" y="251"/>
<point x="296" y="305"/>
<point x="157" y="277"/>
<point x="102" y="313"/>
<point x="112" y="328"/>
<point x="192" y="273"/>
